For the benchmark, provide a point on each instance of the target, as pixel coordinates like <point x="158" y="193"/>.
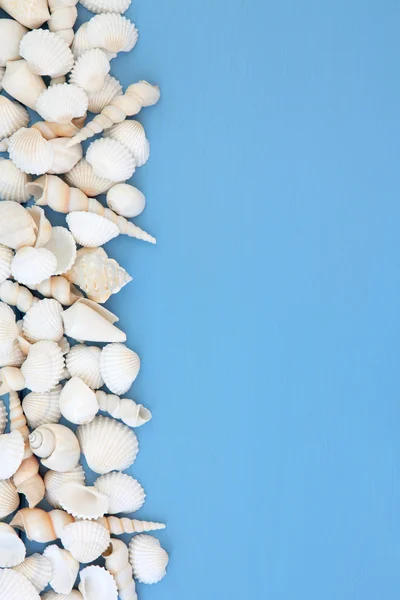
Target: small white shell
<point x="56" y="445"/>
<point x="11" y="33"/>
<point x="42" y="407"/>
<point x="43" y="321"/>
<point x="65" y="156"/>
<point x="119" y="367"/>
<point x="65" y="569"/>
<point x="12" y="447"/>
<point x="62" y="103"/>
<point x="91" y="230"/>
<point x="37" y="569"/>
<point x="102" y="98"/>
<point x="12" y="549"/>
<point x="46" y="53"/>
<point x="80" y="43"/>
<point x="84" y="178"/>
<point x="90" y="70"/>
<point x="106" y="6"/>
<point x="62" y="245"/>
<point x="43" y="367"/>
<point x="54" y="481"/>
<point x="6" y="256"/>
<point x="112" y="32"/>
<point x="3" y="417"/>
<point x="111" y="159"/>
<point x="84" y="362"/>
<point x="9" y="498"/>
<point x="9" y="330"/>
<point x="81" y="501"/>
<point x="30" y="152"/>
<point x="13" y="116"/>
<point x="97" y="584"/>
<point x="78" y="403"/>
<point x="17" y="228"/>
<point x="87" y="321"/>
<point x="12" y="182"/>
<point x="42" y="223"/>
<point x="132" y="135"/>
<point x="126" y="200"/>
<point x="125" y="494"/>
<point x="31" y="266"/>
<point x="148" y="559"/>
<point x="86" y="540"/>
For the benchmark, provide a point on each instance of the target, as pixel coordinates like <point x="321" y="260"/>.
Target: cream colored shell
<point x="23" y="85"/>
<point x="101" y="98"/>
<point x="37" y="569"/>
<point x="30" y="152"/>
<point x="6" y="256"/>
<point x="43" y="225"/>
<point x="87" y="321"/>
<point x="111" y="32"/>
<point x="132" y="135"/>
<point x="62" y="245"/>
<point x="126" y="200"/>
<point x="148" y="559"/>
<point x="41" y="408"/>
<point x="54" y="481"/>
<point x="15" y="586"/>
<point x="46" y="53"/>
<point x="84" y="178"/>
<point x="90" y="70"/>
<point x="86" y="540"/>
<point x="9" y="499"/>
<point x="12" y="449"/>
<point x="91" y="230"/>
<point x="119" y="367"/>
<point x="111" y="159"/>
<point x="11" y="33"/>
<point x="84" y="362"/>
<point x="12" y="182"/>
<point x="56" y="445"/>
<point x="78" y="403"/>
<point x="43" y="367"/>
<point x="12" y="548"/>
<point x="17" y="228"/>
<point x="43" y="321"/>
<point x="31" y="266"/>
<point x="65" y="569"/>
<point x="97" y="584"/>
<point x="62" y="103"/>
<point x="82" y="502"/>
<point x="65" y="156"/>
<point x="125" y="494"/>
<point x="13" y="116"/>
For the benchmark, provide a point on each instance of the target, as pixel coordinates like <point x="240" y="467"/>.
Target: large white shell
<point x="14" y="586"/>
<point x="42" y="407"/>
<point x="111" y="159"/>
<point x="148" y="559"/>
<point x="43" y="225"/>
<point x="125" y="494"/>
<point x="86" y="540"/>
<point x="31" y="266"/>
<point x="102" y="98"/>
<point x="17" y="228"/>
<point x="91" y="230"/>
<point x="65" y="156"/>
<point x="84" y="362"/>
<point x="132" y="135"/>
<point x="9" y="498"/>
<point x="12" y="182"/>
<point x="37" y="569"/>
<point x="11" y="33"/>
<point x="126" y="200"/>
<point x="78" y="403"/>
<point x="119" y="367"/>
<point x="56" y="445"/>
<point x="6" y="256"/>
<point x="87" y="321"/>
<point x="97" y="584"/>
<point x="84" y="178"/>
<point x="81" y="501"/>
<point x="62" y="103"/>
<point x="106" y="6"/>
<point x="13" y="116"/>
<point x="44" y="366"/>
<point x="30" y="152"/>
<point x="74" y="595"/>
<point x="12" y="548"/>
<point x="65" y="569"/>
<point x="112" y="32"/>
<point x="54" y="480"/>
<point x="117" y="450"/>
<point x="46" y="53"/>
<point x="9" y="330"/>
<point x="90" y="70"/>
<point x="12" y="447"/>
<point x="62" y="245"/>
<point x="43" y="321"/>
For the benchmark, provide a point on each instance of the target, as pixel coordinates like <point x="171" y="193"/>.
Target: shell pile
<point x="59" y="345"/>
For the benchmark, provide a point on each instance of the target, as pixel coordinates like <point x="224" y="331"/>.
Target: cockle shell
<point x="65" y="156"/>
<point x="13" y="116"/>
<point x="54" y="481"/>
<point x="46" y="53"/>
<point x="11" y="33"/>
<point x="12" y="356"/>
<point x="9" y="499"/>
<point x="12" y="181"/>
<point x="31" y="266"/>
<point x="118" y="449"/>
<point x="89" y="322"/>
<point x="30" y="152"/>
<point x="84" y="178"/>
<point x="90" y="70"/>
<point x="86" y="540"/>
<point x="111" y="32"/>
<point x="57" y="446"/>
<point x="43" y="225"/>
<point x="101" y="98"/>
<point x="91" y="230"/>
<point x="97" y="584"/>
<point x="148" y="559"/>
<point x="8" y="326"/>
<point x="17" y="228"/>
<point x="12" y="449"/>
<point x="43" y="367"/>
<point x="111" y="159"/>
<point x="37" y="569"/>
<point x="6" y="256"/>
<point x="3" y="417"/>
<point x="132" y="135"/>
<point x="62" y="245"/>
<point x="126" y="200"/>
<point x="65" y="569"/>
<point x="80" y="42"/>
<point x="42" y="408"/>
<point x="62" y="103"/>
<point x="106" y="6"/>
<point x="20" y="83"/>
<point x="125" y="494"/>
<point x="84" y="362"/>
<point x="117" y="563"/>
<point x="12" y="549"/>
<point x="119" y="367"/>
<point x="74" y="595"/>
<point x="15" y="586"/>
<point x="78" y="402"/>
<point x="43" y="321"/>
<point x="81" y="501"/>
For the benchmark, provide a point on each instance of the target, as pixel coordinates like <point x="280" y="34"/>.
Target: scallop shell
<point x="65" y="569"/>
<point x="43" y="321"/>
<point x="37" y="569"/>
<point x="41" y="408"/>
<point x="30" y="152"/>
<point x="14" y="586"/>
<point x="54" y="481"/>
<point x="43" y="225"/>
<point x="8" y="326"/>
<point x="126" y="200"/>
<point x="132" y="135"/>
<point x="65" y="156"/>
<point x="12" y="548"/>
<point x="112" y="32"/>
<point x="148" y="559"/>
<point x="106" y="6"/>
<point x="11" y="33"/>
<point x="46" y="53"/>
<point x="12" y="356"/>
<point x="17" y="228"/>
<point x="78" y="403"/>
<point x="90" y="322"/>
<point x="6" y="256"/>
<point x="62" y="245"/>
<point x="3" y="417"/>
<point x="119" y="367"/>
<point x="13" y="116"/>
<point x="86" y="540"/>
<point x="12" y="447"/>
<point x="97" y="584"/>
<point x="43" y="367"/>
<point x="102" y="98"/>
<point x="83" y="177"/>
<point x="74" y="595"/>
<point x="31" y="266"/>
<point x="80" y="43"/>
<point x="62" y="103"/>
<point x="90" y="70"/>
<point x="84" y="362"/>
<point x="9" y="498"/>
<point x="12" y="182"/>
<point x="111" y="159"/>
<point x="125" y="494"/>
<point x="91" y="230"/>
<point x="82" y="502"/>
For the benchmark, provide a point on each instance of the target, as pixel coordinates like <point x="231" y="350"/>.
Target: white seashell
<point x="84" y="362"/>
<point x="15" y="586"/>
<point x="82" y="502"/>
<point x="148" y="559"/>
<point x="30" y="152"/>
<point x="56" y="445"/>
<point x="9" y="498"/>
<point x="31" y="266"/>
<point x="101" y="98"/>
<point x="80" y="42"/>
<point x="125" y="494"/>
<point x="11" y="379"/>
<point x="62" y="103"/>
<point x="43" y="321"/>
<point x="91" y="230"/>
<point x="12" y="181"/>
<point x="39" y="525"/>
<point x="132" y="135"/>
<point x="119" y="367"/>
<point x="43" y="367"/>
<point x="86" y="540"/>
<point x="112" y="32"/>
<point x="111" y="159"/>
<point x="43" y="225"/>
<point x="46" y="53"/>
<point x="9" y="330"/>
<point x="62" y="245"/>
<point x="12" y="356"/>
<point x="2" y="73"/>
<point x="126" y="200"/>
<point x="97" y="584"/>
<point x="12" y="449"/>
<point x="37" y="569"/>
<point x="42" y="408"/>
<point x="12" y="549"/>
<point x="20" y="83"/>
<point x="89" y="322"/>
<point x="106" y="6"/>
<point x="31" y="14"/>
<point x="3" y="417"/>
<point x="78" y="402"/>
<point x="13" y="116"/>
<point x="63" y="17"/>
<point x="11" y="33"/>
<point x="54" y="481"/>
<point x="117" y="563"/>
<point x="65" y="569"/>
<point x="83" y="177"/>
<point x="74" y="595"/>
<point x="119" y="526"/>
<point x="117" y="450"/>
<point x="6" y="256"/>
<point x="17" y="228"/>
<point x="65" y="157"/>
<point x="90" y="70"/>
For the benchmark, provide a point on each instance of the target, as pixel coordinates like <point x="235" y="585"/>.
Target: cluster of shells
<point x="53" y="283"/>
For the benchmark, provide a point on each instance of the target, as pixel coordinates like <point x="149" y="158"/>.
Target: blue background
<point x="267" y="316"/>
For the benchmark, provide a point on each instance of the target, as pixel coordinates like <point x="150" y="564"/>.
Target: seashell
<point x="29" y="482"/>
<point x="20" y="83"/>
<point x="111" y="159"/>
<point x="119" y="367"/>
<point x="74" y="595"/>
<point x="84" y="362"/>
<point x="58" y="288"/>
<point x="132" y="135"/>
<point x="3" y="417"/>
<point x="41" y="526"/>
<point x="89" y="322"/>
<point x="106" y="6"/>
<point x="30" y="152"/>
<point x="80" y="42"/>
<point x="51" y="130"/>
<point x="15" y="586"/>
<point x="13" y="181"/>
<point x="17" y="227"/>
<point x="12" y="549"/>
<point x="18" y="421"/>
<point x="11" y="379"/>
<point x="78" y="402"/>
<point x="8" y="326"/>
<point x="91" y="230"/>
<point x="43" y="367"/>
<point x="97" y="584"/>
<point x="126" y="200"/>
<point x="16" y="295"/>
<point x="62" y="245"/>
<point x="12" y="453"/>
<point x="46" y="53"/>
<point x="54" y="481"/>
<point x="117" y="563"/>
<point x="43" y="225"/>
<point x="86" y="540"/>
<point x="12" y="356"/>
<point x="111" y="32"/>
<point x="37" y="569"/>
<point x="118" y="449"/>
<point x="82" y="502"/>
<point x="31" y="266"/>
<point x="63" y="17"/>
<point x="11" y="33"/>
<point x="13" y="116"/>
<point x="65" y="157"/>
<point x="118" y="526"/>
<point x="31" y="14"/>
<point x="101" y="98"/>
<point x="90" y="70"/>
<point x="83" y="177"/>
<point x="9" y="499"/>
<point x="43" y="321"/>
<point x="65" y="568"/>
<point x="56" y="445"/>
<point x="6" y="256"/>
<point x="148" y="559"/>
<point x="42" y="408"/>
<point x="62" y="103"/>
<point x="125" y="494"/>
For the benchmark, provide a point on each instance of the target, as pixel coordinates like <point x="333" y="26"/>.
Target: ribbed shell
<point x="82" y="502"/>
<point x="98" y="584"/>
<point x="6" y="256"/>
<point x="74" y="595"/>
<point x="91" y="230"/>
<point x="12" y="356"/>
<point x="112" y="32"/>
<point x="90" y="70"/>
<point x="54" y="480"/>
<point x="111" y="159"/>
<point x="13" y="116"/>
<point x="37" y="569"/>
<point x="126" y="200"/>
<point x="106" y="6"/>
<point x="46" y="53"/>
<point x="12" y="182"/>
<point x="80" y="43"/>
<point x="132" y="135"/>
<point x="102" y="98"/>
<point x="17" y="228"/>
<point x="44" y="366"/>
<point x="8" y="326"/>
<point x="31" y="266"/>
<point x="30" y="152"/>
<point x="43" y="321"/>
<point x="12" y="449"/>
<point x="119" y="367"/>
<point x="62" y="245"/>
<point x="41" y="408"/>
<point x="84" y="178"/>
<point x="86" y="540"/>
<point x="125" y="493"/>
<point x="148" y="559"/>
<point x="84" y="362"/>
<point x="9" y="498"/>
<point x="61" y="103"/>
<point x="3" y="417"/>
<point x="14" y="586"/>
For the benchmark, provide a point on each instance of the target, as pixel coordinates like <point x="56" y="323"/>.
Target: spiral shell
<point x="43" y="367"/>
<point x="31" y="266"/>
<point x="62" y="103"/>
<point x="41" y="526"/>
<point x="64" y="568"/>
<point x="148" y="559"/>
<point x="13" y="116"/>
<point x="84" y="362"/>
<point x="43" y="225"/>
<point x="46" y="53"/>
<point x="111" y="159"/>
<point x="12" y="448"/>
<point x="12" y="182"/>
<point x="84" y="178"/>
<point x="9" y="499"/>
<point x="41" y="408"/>
<point x="12" y="549"/>
<point x="117" y="563"/>
<point x="119" y="367"/>
<point x="62" y="245"/>
<point x="97" y="584"/>
<point x="17" y="228"/>
<point x="90" y="70"/>
<point x="65" y="156"/>
<point x="43" y="321"/>
<point x="30" y="152"/>
<point x="91" y="230"/>
<point x="125" y="494"/>
<point x="54" y="481"/>
<point x="111" y="32"/>
<point x="58" y="288"/>
<point x="37" y="569"/>
<point x="15" y="586"/>
<point x="78" y="402"/>
<point x="63" y="17"/>
<point x="101" y="98"/>
<point x="132" y="135"/>
<point x="56" y="445"/>
<point x="86" y="540"/>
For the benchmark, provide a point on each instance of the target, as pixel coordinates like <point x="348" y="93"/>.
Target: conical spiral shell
<point x="90" y="322"/>
<point x="12" y="449"/>
<point x="107" y="6"/>
<point x="31" y="266"/>
<point x="111" y="159"/>
<point x="62" y="245"/>
<point x="118" y="526"/>
<point x="86" y="540"/>
<point x="11" y="33"/>
<point x="17" y="295"/>
<point x="15" y="586"/>
<point x="41" y="526"/>
<point x="91" y="230"/>
<point x="64" y="568"/>
<point x="12" y="182"/>
<point x="101" y="98"/>
<point x="41" y="408"/>
<point x="63" y="17"/>
<point x="112" y="32"/>
<point x="37" y="569"/>
<point x="84" y="178"/>
<point x="84" y="362"/>
<point x="57" y="446"/>
<point x="62" y="103"/>
<point x="3" y="417"/>
<point x="17" y="228"/>
<point x="12" y="549"/>
<point x="58" y="288"/>
<point x="43" y="321"/>
<point x="117" y="563"/>
<point x="9" y="499"/>
<point x="54" y="481"/>
<point x="148" y="559"/>
<point x="30" y="152"/>
<point x="13" y="116"/>
<point x="119" y="367"/>
<point x="46" y="53"/>
<point x="90" y="70"/>
<point x="132" y="135"/>
<point x="97" y="584"/>
<point x="125" y="494"/>
<point x="43" y="367"/>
